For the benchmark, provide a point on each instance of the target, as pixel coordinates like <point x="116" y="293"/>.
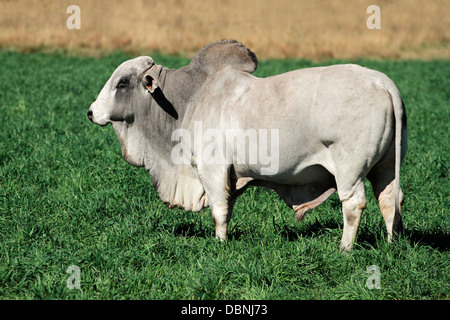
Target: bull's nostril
<point x="89" y="114"/>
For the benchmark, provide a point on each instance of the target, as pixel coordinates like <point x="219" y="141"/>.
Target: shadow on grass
<point x="438" y="240"/>
<point x="191" y="229"/>
<point x="288" y="232"/>
<point x="293" y="233"/>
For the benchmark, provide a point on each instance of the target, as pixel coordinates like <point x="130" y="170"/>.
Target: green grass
<point x="68" y="198"/>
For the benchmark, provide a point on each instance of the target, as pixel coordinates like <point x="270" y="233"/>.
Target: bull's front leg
<point x="221" y="216"/>
<point x="216" y="182"/>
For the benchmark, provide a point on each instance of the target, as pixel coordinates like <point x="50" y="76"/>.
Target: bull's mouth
<point x="129" y="119"/>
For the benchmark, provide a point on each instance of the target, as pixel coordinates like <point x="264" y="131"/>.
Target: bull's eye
<point x="123" y="82"/>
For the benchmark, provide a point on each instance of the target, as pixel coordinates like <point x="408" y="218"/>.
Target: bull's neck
<point x="167" y="110"/>
<point x="176" y="184"/>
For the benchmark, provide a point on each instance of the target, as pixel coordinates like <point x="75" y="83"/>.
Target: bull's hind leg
<point x="391" y="216"/>
<point x="353" y="200"/>
<point x="350" y="174"/>
<point x="382" y="179"/>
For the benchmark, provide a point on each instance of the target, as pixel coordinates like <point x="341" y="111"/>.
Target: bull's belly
<point x="300" y="176"/>
<point x="296" y="171"/>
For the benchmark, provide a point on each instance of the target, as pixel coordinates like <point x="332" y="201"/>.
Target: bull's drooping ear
<point x="151" y="78"/>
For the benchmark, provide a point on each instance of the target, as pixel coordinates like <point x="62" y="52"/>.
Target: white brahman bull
<point x="202" y="132"/>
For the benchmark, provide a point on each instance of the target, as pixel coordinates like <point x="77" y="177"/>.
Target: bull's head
<point x="128" y="87"/>
<point x="125" y="102"/>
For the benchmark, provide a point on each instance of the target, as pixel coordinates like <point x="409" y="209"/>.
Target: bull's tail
<point x="400" y="121"/>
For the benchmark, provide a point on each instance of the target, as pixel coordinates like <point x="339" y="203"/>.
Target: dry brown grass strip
<point x="319" y="29"/>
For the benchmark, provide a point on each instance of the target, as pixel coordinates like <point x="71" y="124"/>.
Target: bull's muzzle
<point x="90" y="115"/>
<point x="98" y="117"/>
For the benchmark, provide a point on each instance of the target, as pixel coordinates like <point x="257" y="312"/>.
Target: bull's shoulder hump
<point x="226" y="53"/>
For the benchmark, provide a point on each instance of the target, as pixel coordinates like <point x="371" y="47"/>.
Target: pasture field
<point x="318" y="30"/>
<point x="68" y="198"/>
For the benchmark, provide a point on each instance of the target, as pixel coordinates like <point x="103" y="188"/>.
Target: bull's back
<point x="316" y="109"/>
<point x="312" y="109"/>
